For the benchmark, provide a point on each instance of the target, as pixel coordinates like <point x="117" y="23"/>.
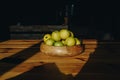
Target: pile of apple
<point x="63" y="37"/>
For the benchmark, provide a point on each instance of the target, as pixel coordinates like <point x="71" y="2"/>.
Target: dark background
<point x="98" y="16"/>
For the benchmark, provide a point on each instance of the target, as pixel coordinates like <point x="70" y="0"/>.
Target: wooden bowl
<point x="60" y="51"/>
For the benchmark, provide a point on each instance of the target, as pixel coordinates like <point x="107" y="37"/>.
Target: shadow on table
<point x="3" y="40"/>
<point x="10" y="62"/>
<point x="47" y="71"/>
<point x="103" y="64"/>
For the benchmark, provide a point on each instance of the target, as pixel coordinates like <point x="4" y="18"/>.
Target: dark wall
<point x="4" y="28"/>
<point x="52" y="12"/>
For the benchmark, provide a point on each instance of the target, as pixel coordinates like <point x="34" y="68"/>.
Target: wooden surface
<point x="64" y="51"/>
<point x="22" y="60"/>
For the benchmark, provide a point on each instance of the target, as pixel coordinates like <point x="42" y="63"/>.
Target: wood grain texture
<point x="66" y="65"/>
<point x="61" y="51"/>
<point x="11" y="47"/>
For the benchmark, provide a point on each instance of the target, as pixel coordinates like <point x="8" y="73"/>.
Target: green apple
<point x="70" y="41"/>
<point x="56" y="35"/>
<point x="78" y="42"/>
<point x="58" y="43"/>
<point x="46" y="37"/>
<point x="63" y="41"/>
<point x="64" y="33"/>
<point x="49" y="42"/>
<point x="71" y="34"/>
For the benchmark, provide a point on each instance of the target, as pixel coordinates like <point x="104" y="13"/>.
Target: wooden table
<point x="22" y="60"/>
